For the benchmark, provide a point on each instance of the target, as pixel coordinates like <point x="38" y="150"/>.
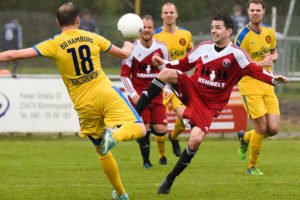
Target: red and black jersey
<point x="217" y="72"/>
<point x="137" y="71"/>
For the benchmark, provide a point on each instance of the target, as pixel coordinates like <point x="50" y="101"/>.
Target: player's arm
<point x="252" y="69"/>
<point x="12" y="55"/>
<point x="181" y="64"/>
<point x="127" y="83"/>
<point x="123" y="52"/>
<point x="261" y="74"/>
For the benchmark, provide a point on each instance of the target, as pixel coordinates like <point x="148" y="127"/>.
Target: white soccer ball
<point x="130" y="25"/>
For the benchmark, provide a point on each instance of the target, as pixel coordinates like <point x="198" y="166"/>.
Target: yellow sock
<point x="255" y="147"/>
<point x="247" y="136"/>
<point x="160" y="140"/>
<point x="110" y="168"/>
<point x="179" y="128"/>
<point x="128" y="131"/>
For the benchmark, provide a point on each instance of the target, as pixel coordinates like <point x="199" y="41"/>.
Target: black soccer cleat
<point x="165" y="187"/>
<point x="175" y="146"/>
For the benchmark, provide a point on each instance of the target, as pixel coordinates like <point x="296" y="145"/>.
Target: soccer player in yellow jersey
<point x="99" y="105"/>
<point x="179" y="42"/>
<point x="259" y="98"/>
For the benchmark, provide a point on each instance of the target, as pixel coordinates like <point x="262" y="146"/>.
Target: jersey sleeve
<point x="258" y="73"/>
<point x="126" y="76"/>
<point x="241" y="38"/>
<point x="46" y="48"/>
<point x="104" y="43"/>
<point x="186" y="63"/>
<point x="242" y="58"/>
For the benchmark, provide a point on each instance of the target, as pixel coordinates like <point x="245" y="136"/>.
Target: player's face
<point x="147" y="33"/>
<point x="169" y="14"/>
<point x="255" y="13"/>
<point x="219" y="34"/>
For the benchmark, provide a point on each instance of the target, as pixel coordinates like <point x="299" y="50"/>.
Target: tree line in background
<point x="38" y="17"/>
<point x="189" y="9"/>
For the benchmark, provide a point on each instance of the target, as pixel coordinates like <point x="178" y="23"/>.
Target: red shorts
<point x="197" y="111"/>
<point x="155" y="113"/>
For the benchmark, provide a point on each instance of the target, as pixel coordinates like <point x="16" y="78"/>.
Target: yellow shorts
<point x="173" y="100"/>
<point x="258" y="105"/>
<point x="109" y="109"/>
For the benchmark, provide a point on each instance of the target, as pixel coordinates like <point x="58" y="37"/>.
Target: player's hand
<point x="268" y="60"/>
<point x="128" y="45"/>
<point x="135" y="98"/>
<point x="281" y="79"/>
<point x="157" y="60"/>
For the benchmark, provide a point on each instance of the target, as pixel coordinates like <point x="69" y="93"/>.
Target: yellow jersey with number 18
<point x="77" y="56"/>
<point x="178" y="43"/>
<point x="256" y="44"/>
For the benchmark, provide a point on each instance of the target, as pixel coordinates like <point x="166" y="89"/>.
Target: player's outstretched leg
<point x="115" y="196"/>
<point x="242" y="150"/>
<point x="127" y="132"/>
<point x="181" y="164"/>
<point x="152" y="91"/>
<point x="165" y="187"/>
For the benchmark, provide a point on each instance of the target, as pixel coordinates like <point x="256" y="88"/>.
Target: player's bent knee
<point x="272" y="132"/>
<point x="261" y="130"/>
<point x="167" y="75"/>
<point x="160" y="134"/>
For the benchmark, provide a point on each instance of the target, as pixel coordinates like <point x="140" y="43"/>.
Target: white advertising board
<point x="36" y="104"/>
<point x="41" y="104"/>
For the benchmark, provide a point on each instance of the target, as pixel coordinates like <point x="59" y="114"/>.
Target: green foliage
<point x="67" y="168"/>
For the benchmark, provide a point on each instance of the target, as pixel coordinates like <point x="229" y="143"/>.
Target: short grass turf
<point x="67" y="168"/>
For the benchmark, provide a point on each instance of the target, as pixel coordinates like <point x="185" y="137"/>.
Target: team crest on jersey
<point x="182" y="41"/>
<point x="268" y="39"/>
<point x="226" y="62"/>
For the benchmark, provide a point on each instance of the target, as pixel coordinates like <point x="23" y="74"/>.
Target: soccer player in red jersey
<point x="137" y="72"/>
<point x="219" y="66"/>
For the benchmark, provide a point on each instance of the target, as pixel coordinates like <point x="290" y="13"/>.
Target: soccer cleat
<point x="108" y="142"/>
<point x="147" y="165"/>
<point x="163" y="160"/>
<point x="165" y="187"/>
<point x="254" y="171"/>
<point x="123" y="196"/>
<point x="242" y="150"/>
<point x="175" y="146"/>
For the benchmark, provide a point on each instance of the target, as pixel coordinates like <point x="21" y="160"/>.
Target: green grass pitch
<point x="67" y="168"/>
